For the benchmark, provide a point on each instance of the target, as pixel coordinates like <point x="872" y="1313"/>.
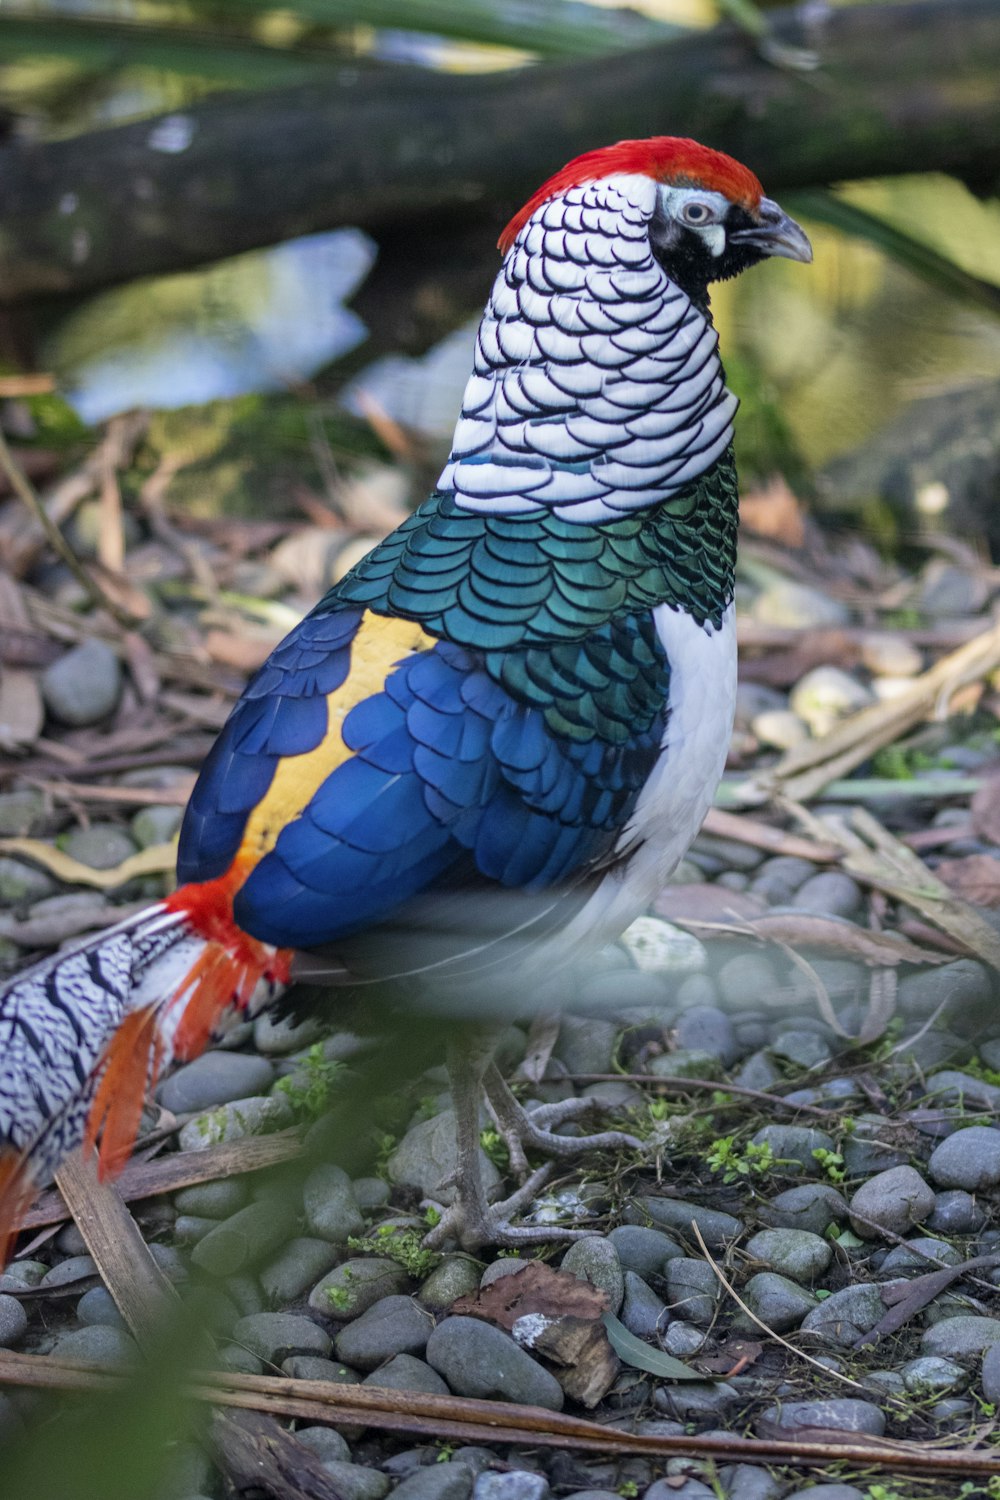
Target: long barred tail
<point x="85" y="1034"/>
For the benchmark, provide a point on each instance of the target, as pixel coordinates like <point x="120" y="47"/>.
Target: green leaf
<point x="643" y="1356"/>
<point x="827" y="208"/>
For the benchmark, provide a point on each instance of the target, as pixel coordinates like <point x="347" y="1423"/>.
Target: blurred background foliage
<point x="901" y="302"/>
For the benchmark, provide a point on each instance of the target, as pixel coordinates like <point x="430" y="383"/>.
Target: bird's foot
<point x="472" y="1222"/>
<point x="523" y="1129"/>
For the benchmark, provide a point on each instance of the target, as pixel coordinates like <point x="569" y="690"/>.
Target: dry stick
<point x="25" y="491"/>
<point x="469" y="1420"/>
<point x="140" y="1290"/>
<point x="727" y="825"/>
<point x="181" y="1169"/>
<point x="806" y="769"/>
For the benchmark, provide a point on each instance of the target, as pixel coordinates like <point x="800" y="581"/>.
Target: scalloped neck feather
<point x="665" y="158"/>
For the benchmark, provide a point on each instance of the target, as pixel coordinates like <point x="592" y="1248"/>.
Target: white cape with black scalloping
<point x="596" y="387"/>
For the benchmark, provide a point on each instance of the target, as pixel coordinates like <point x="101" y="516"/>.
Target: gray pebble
<point x="170" y="1261"/>
<point x="404" y="1372"/>
<point x="697" y="1400"/>
<point x="778" y="879"/>
<point x="780" y="1303"/>
<point x="841" y="1413"/>
<point x="802" y="1048"/>
<point x="930" y="1375"/>
<point x="67" y="1271"/>
<point x="325" y="1442"/>
<point x="961" y="1337"/>
<point x="707" y="1028"/>
<point x="687" y="1489"/>
<point x="234" y="1121"/>
<point x="355" y="1482"/>
<point x="312" y="1367"/>
<point x="190" y="1228"/>
<point x="968" y="1159"/>
<point x="295" y="1269"/>
<point x="456" y="1276"/>
<point x="518" y="1484"/>
<point x="97" y="1345"/>
<point x="275" y="1336"/>
<point x="215" y="1078"/>
<point x="792" y="1252"/>
<point x="642" y="1250"/>
<point x="13" y="1322"/>
<point x="955" y="1212"/>
<point x="961" y="1088"/>
<point x="841" y="1318"/>
<point x="245" y="1239"/>
<point x="21" y="812"/>
<point x="642" y="1311"/>
<point x="331" y="1208"/>
<point x="595" y="1259"/>
<point x="747" y="979"/>
<point x="793" y="1146"/>
<point x="676" y="1214"/>
<point x="505" y="1265"/>
<point x="427" y="1156"/>
<point x="908" y="1257"/>
<point x="758" y="1071"/>
<point x="22" y="884"/>
<point x="240" y="1361"/>
<point x="102" y="845"/>
<point x="682" y="1339"/>
<point x="830" y="894"/>
<point x="370" y="1193"/>
<point x="962" y="987"/>
<point x="866" y="1152"/>
<point x="393" y="1325"/>
<point x="96" y="1307"/>
<point x="212" y="1200"/>
<point x="442" y="1481"/>
<point x="479" y="1360"/>
<point x="893" y="1200"/>
<point x="156" y="825"/>
<point x="586" y="1044"/>
<point x="351" y="1288"/>
<point x="693" y="1290"/>
<point x="750" y="1482"/>
<point x="84" y="685"/>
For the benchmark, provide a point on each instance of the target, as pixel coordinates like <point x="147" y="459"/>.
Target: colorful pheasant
<point x="484" y="751"/>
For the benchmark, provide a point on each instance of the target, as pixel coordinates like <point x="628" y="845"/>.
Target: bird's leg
<point x="470" y="1219"/>
<point x="522" y="1128"/>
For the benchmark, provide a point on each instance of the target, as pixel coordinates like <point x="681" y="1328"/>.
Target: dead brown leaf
<point x="976" y="877"/>
<point x="537" y="1288"/>
<point x="244" y="652"/>
<point x="841" y="939"/>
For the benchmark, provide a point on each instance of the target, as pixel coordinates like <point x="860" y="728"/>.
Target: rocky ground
<point x="808" y="1048"/>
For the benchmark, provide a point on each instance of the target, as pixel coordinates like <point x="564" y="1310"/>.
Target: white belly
<point x="679" y="792"/>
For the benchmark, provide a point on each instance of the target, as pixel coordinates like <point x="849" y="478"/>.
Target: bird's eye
<point x="697" y="213"/>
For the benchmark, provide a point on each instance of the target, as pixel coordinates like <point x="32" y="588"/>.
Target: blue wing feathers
<point x="459" y="757"/>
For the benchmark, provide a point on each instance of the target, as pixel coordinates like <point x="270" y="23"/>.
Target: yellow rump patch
<point x="380" y="644"/>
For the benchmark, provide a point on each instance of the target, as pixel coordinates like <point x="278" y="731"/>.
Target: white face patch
<point x="597" y="388"/>
<point x="698" y="210"/>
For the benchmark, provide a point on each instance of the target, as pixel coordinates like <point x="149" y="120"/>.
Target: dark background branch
<point x="900" y="88"/>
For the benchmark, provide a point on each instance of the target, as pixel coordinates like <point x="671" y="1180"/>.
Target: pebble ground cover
<point x="819" y="1109"/>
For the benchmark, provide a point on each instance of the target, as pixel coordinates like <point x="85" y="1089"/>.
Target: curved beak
<point x="776" y="234"/>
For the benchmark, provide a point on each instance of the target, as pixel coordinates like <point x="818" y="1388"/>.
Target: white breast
<point x="678" y="794"/>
